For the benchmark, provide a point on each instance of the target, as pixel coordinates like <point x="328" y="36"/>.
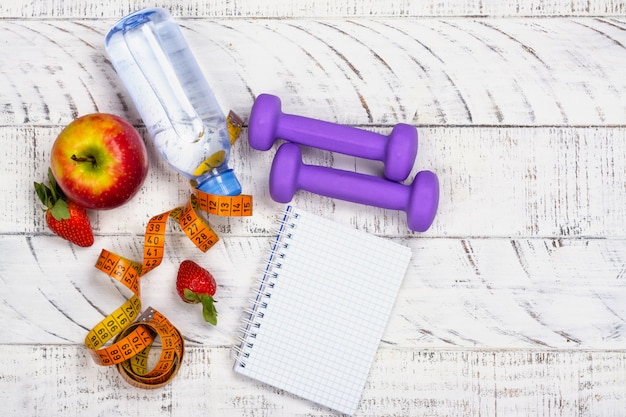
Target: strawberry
<point x="195" y="284"/>
<point x="64" y="217"/>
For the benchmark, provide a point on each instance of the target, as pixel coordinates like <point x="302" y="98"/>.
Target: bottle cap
<point x="223" y="183"/>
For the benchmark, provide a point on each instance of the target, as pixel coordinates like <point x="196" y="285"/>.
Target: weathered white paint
<point x="312" y="8"/>
<point x="495" y="182"/>
<point x="59" y="380"/>
<point x="514" y="299"/>
<point x="495" y="292"/>
<point x="477" y="71"/>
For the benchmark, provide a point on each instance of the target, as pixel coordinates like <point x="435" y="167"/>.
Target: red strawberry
<point x="64" y="217"/>
<point x="195" y="284"/>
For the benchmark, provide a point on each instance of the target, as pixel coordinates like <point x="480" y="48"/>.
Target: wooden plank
<point x="504" y="182"/>
<point x="513" y="300"/>
<point x="53" y="380"/>
<point x="470" y="293"/>
<point x="504" y="72"/>
<point x="309" y="8"/>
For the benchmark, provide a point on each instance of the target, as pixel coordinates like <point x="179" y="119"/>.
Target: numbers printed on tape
<point x="220" y="205"/>
<point x="123" y="270"/>
<point x="134" y="370"/>
<point x="195" y="227"/>
<point x="110" y="327"/>
<point x="132" y="333"/>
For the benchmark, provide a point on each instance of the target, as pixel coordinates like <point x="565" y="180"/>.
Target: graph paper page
<point x="327" y="299"/>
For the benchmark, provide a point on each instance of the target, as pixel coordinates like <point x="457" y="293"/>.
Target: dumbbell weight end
<point x="423" y="201"/>
<point x="400" y="152"/>
<point x="265" y="117"/>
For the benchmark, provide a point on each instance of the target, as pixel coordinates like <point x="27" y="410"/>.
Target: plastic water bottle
<point x="176" y="103"/>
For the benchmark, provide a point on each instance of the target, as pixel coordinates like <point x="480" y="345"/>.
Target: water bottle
<point x="176" y="103"/>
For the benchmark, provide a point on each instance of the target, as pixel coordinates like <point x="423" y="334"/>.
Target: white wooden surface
<point x="514" y="303"/>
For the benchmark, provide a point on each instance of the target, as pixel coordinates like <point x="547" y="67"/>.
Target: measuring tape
<point x="126" y="336"/>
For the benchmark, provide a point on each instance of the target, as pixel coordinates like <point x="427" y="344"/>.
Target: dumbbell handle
<point x="354" y="187"/>
<point x="333" y="137"/>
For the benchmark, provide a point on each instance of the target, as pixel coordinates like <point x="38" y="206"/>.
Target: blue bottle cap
<point x="224" y="183"/>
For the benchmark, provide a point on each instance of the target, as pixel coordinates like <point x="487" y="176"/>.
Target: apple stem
<point x="85" y="159"/>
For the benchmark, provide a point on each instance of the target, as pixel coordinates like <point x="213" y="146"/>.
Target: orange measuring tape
<point x="131" y="333"/>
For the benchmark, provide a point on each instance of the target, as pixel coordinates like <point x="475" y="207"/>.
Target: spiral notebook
<point x="320" y="310"/>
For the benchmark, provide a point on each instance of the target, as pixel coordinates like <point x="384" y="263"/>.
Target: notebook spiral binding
<point x="269" y="274"/>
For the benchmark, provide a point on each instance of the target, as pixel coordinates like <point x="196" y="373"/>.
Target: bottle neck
<point x="219" y="181"/>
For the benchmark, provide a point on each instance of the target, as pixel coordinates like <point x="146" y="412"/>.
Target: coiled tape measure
<point x="133" y="333"/>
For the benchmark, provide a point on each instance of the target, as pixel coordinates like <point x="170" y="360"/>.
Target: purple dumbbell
<point x="419" y="200"/>
<point x="268" y="123"/>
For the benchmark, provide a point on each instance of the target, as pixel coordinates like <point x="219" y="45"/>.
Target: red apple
<point x="99" y="161"/>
